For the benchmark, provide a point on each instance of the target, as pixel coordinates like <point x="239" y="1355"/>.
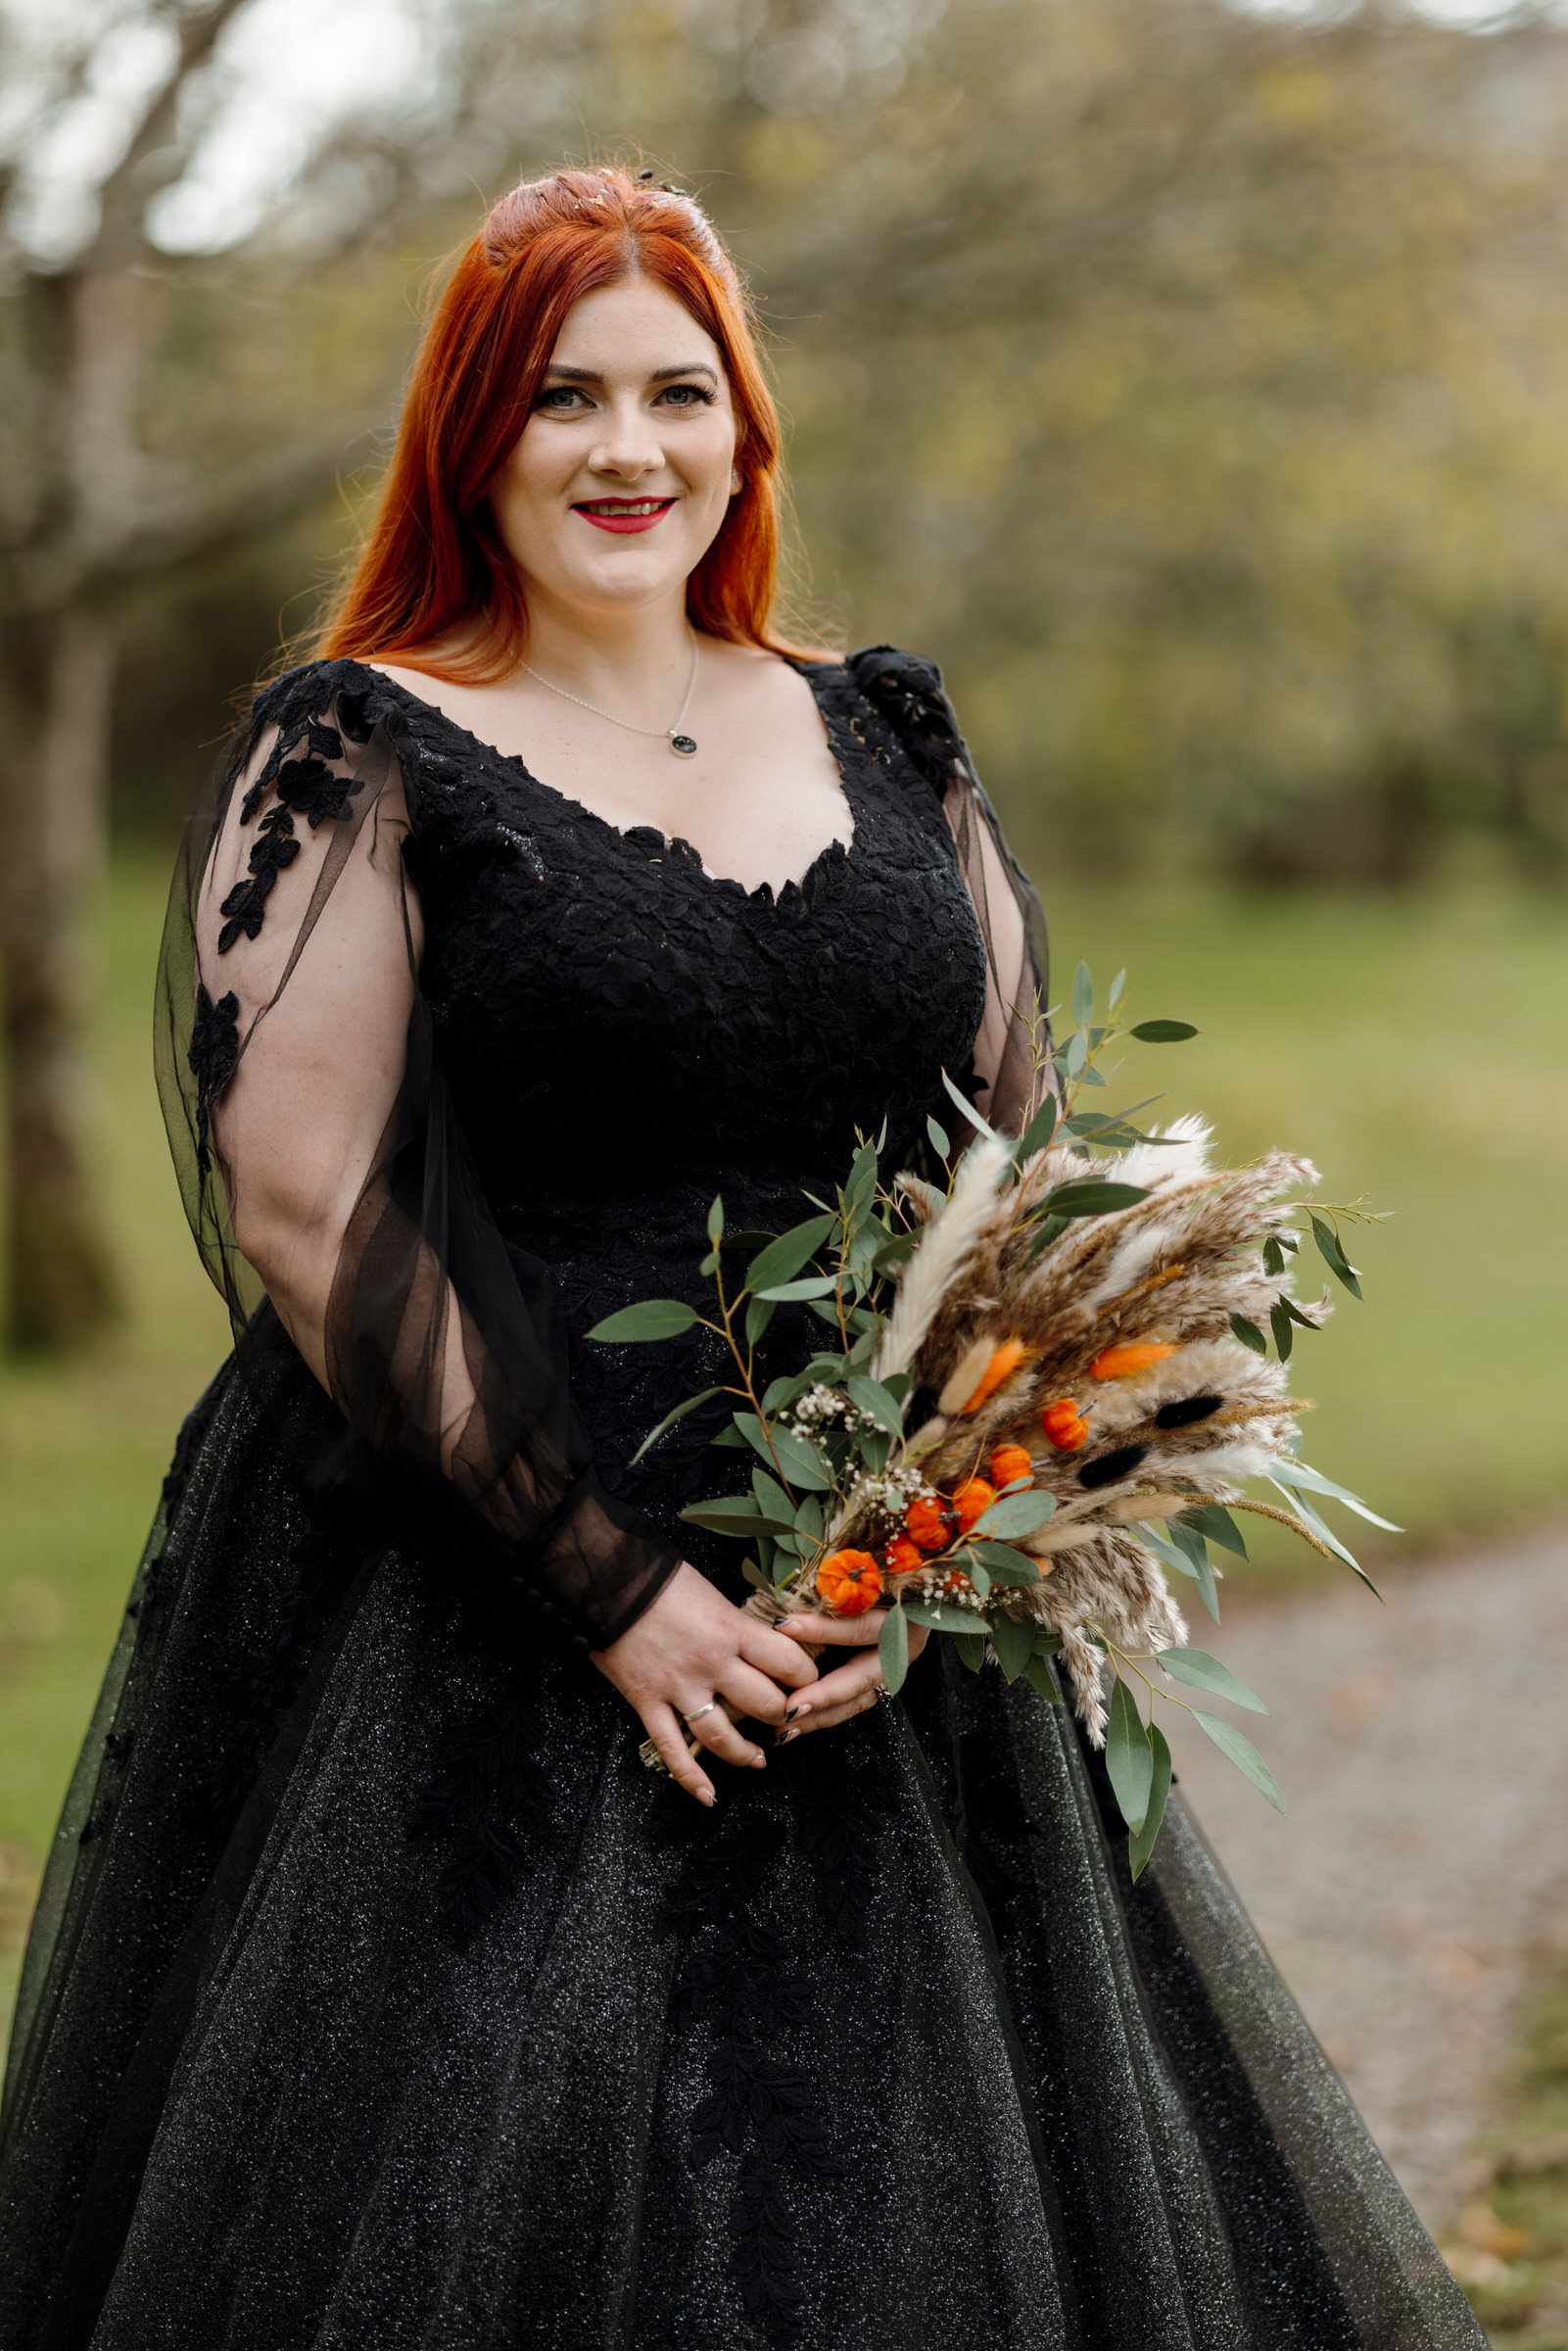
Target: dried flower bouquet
<point x="1048" y="1381"/>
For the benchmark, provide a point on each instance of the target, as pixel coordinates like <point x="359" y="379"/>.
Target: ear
<point x="737" y="481"/>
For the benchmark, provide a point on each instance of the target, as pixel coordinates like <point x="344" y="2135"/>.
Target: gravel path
<point x="1426" y="1849"/>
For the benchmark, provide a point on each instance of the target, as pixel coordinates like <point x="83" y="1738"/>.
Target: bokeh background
<point x="1192" y="381"/>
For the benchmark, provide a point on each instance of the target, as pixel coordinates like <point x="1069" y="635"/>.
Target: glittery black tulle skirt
<point x="378" y="1998"/>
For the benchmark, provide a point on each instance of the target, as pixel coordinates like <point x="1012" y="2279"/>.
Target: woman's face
<point x="625" y="468"/>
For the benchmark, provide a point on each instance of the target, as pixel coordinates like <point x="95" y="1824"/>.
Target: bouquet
<point x="1047" y="1378"/>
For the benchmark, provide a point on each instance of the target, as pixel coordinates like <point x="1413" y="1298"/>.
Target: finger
<point x="771" y="1654"/>
<point x="851" y="1632"/>
<point x="663" y="1727"/>
<point x="847" y="1682"/>
<point x="832" y="1717"/>
<point x="753" y="1694"/>
<point x="718" y="1734"/>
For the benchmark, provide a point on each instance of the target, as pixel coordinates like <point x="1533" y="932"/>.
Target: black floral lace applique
<point x="213" y="1054"/>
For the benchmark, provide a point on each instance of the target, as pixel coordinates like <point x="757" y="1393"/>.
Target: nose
<point x="629" y="446"/>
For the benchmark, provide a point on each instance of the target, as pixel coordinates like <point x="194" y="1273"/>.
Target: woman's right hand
<point x="691" y="1645"/>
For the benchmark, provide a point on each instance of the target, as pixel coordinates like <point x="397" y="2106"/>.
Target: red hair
<point x="434" y="562"/>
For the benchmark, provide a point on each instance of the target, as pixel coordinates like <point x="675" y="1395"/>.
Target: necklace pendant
<point x="683" y="745"/>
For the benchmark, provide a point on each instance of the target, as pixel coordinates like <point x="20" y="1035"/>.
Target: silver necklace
<point x="683" y="745"/>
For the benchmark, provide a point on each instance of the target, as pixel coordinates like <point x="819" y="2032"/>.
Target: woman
<point x="378" y="1994"/>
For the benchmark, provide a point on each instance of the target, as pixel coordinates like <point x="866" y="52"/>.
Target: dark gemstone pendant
<point x="685" y="746"/>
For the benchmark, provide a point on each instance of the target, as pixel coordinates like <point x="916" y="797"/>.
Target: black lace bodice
<point x="626" y="1035"/>
<point x="601" y="1035"/>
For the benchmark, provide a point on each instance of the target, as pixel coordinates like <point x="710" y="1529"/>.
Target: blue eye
<point x="686" y="396"/>
<point x="558" y="396"/>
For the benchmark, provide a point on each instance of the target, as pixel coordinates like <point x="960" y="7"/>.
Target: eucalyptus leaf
<point x="652" y="1318"/>
<point x="893" y="1252"/>
<point x="1013" y="1644"/>
<point x="1212" y="1520"/>
<point x="1322" y="1529"/>
<point x="760" y="1312"/>
<point x="1049" y="1230"/>
<point x="1039" y="1131"/>
<point x="1128" y="1756"/>
<point x="1082" y="997"/>
<point x="940" y="1138"/>
<point x="1284" y="1336"/>
<point x="892" y="1649"/>
<point x="1092" y="1197"/>
<point x="772" y="1499"/>
<point x="980" y="1576"/>
<point x="1005" y="1566"/>
<point x="1190" y="1558"/>
<point x="970" y="1649"/>
<point x="1241" y="1751"/>
<point x="808" y="1517"/>
<point x="872" y="1398"/>
<point x="1273" y="1256"/>
<point x="1248" y="1335"/>
<point x="1285" y="1471"/>
<point x="670" y="1418"/>
<point x="811" y="1285"/>
<point x="783" y="1258"/>
<point x="1204" y="1672"/>
<point x="1142" y="1845"/>
<point x="1016" y="1514"/>
<point x="729" y="1439"/>
<point x="1163" y="1032"/>
<point x="716" y="1221"/>
<point x="1334" y="1257"/>
<point x="939" y="1615"/>
<point x="1037" y="1673"/>
<point x="1116" y="986"/>
<point x="982" y="1125"/>
<point x="737" y="1514"/>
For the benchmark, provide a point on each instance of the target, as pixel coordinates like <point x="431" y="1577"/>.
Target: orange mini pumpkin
<point x="973" y="1500"/>
<point x="850" y="1582"/>
<point x="902" y="1556"/>
<point x="1008" y="1463"/>
<point x="929" y="1523"/>
<point x="1001" y="1366"/>
<point x="1118" y="1362"/>
<point x="1064" y="1425"/>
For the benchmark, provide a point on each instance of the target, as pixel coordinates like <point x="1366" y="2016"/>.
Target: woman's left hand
<point x="852" y="1687"/>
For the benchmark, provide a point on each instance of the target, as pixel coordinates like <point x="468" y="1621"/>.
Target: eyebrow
<point x="656" y="375"/>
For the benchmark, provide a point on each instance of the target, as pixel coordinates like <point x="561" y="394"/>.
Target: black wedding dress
<point x="379" y="1998"/>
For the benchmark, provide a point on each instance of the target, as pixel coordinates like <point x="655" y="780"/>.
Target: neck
<point x="641" y="650"/>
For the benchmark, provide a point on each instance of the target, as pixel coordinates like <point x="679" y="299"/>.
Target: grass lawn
<point x="1416" y="1049"/>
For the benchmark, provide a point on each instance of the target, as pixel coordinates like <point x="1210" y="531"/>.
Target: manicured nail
<point x="705" y="1795"/>
<point x="791" y="1711"/>
<point x="785" y="1737"/>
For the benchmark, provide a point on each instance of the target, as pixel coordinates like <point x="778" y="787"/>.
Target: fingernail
<point x="785" y="1737"/>
<point x="791" y="1711"/>
<point x="759" y="1762"/>
<point x="705" y="1795"/>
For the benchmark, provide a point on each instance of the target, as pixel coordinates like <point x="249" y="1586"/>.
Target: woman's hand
<point x="853" y="1686"/>
<point x="691" y="1647"/>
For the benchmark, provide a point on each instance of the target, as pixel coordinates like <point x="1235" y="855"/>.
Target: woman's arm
<point x="374" y="1245"/>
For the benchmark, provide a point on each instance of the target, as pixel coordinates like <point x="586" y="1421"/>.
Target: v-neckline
<point x="673" y="844"/>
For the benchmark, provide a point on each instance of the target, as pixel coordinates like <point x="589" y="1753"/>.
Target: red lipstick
<point x="624" y="513"/>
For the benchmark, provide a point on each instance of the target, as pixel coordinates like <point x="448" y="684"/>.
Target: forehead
<point x="632" y="327"/>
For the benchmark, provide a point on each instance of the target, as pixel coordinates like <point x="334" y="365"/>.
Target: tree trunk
<point x="59" y="673"/>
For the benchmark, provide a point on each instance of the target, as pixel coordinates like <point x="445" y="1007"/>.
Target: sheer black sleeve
<point x="1011" y="1052"/>
<point x="327" y="1182"/>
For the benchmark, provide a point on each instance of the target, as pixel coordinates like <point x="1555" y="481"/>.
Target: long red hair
<point x="434" y="563"/>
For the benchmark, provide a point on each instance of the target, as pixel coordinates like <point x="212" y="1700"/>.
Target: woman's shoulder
<point x="351" y="697"/>
<point x="906" y="693"/>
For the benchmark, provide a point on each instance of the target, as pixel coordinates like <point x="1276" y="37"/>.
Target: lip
<point x="624" y="514"/>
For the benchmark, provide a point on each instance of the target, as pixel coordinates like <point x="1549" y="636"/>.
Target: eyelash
<point x="701" y="395"/>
